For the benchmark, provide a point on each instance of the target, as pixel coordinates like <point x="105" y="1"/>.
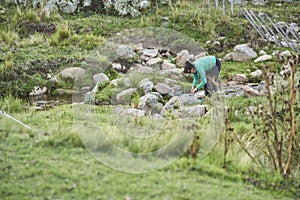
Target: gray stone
<point x="72" y="73"/>
<point x="262" y="52"/>
<point x="167" y="65"/>
<point x="187" y="99"/>
<point x="150" y="103"/>
<point x="124" y="51"/>
<point x="250" y="92"/>
<point x="263" y="58"/>
<point x="240" y="78"/>
<point x="193" y="111"/>
<point x="151" y="53"/>
<point x="162" y="88"/>
<point x="99" y="78"/>
<point x="170" y="105"/>
<point x="37" y="90"/>
<point x="125" y="95"/>
<point x="153" y="61"/>
<point x="200" y="55"/>
<point x="286" y="53"/>
<point x="117" y="66"/>
<point x="243" y="52"/>
<point x="257" y="73"/>
<point x="67" y="6"/>
<point x="146" y="85"/>
<point x="182" y="57"/>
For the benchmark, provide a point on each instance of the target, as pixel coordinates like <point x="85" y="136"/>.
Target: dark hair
<point x="188" y="67"/>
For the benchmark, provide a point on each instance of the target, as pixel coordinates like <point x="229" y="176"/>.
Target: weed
<point x="61" y="36"/>
<point x="12" y="104"/>
<point x="9" y="37"/>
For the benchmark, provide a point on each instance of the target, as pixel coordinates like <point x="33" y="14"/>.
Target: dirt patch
<point x="40" y="27"/>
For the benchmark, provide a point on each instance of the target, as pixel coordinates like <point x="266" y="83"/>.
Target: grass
<point x="51" y="163"/>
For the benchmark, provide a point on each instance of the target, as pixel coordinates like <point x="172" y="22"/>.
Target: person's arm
<point x="195" y="81"/>
<point x="203" y="79"/>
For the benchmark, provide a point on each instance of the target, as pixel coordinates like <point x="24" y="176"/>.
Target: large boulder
<point x="241" y="53"/>
<point x="72" y="74"/>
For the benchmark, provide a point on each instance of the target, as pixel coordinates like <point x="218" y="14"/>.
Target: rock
<point x="286" y="70"/>
<point x="162" y="88"/>
<point x="243" y="53"/>
<point x="240" y="78"/>
<point x="150" y="53"/>
<point x="72" y="73"/>
<point x="263" y="58"/>
<point x="146" y="85"/>
<point x="275" y="53"/>
<point x="125" y="95"/>
<point x="250" y="92"/>
<point x="150" y="103"/>
<point x="167" y="65"/>
<point x="262" y="52"/>
<point x="176" y="90"/>
<point x="216" y="43"/>
<point x="193" y="111"/>
<point x="182" y="57"/>
<point x="67" y="7"/>
<point x="228" y="57"/>
<point x="286" y="53"/>
<point x="257" y="73"/>
<point x="117" y="66"/>
<point x="200" y="55"/>
<point x="259" y="2"/>
<point x="153" y="61"/>
<point x="125" y="51"/>
<point x="53" y="80"/>
<point x="170" y="105"/>
<point x="99" y="78"/>
<point x="38" y="91"/>
<point x="187" y="99"/>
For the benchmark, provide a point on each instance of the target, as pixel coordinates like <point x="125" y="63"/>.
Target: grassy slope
<point x="51" y="164"/>
<point x="56" y="166"/>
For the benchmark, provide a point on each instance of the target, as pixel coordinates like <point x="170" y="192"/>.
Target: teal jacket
<point x="202" y="65"/>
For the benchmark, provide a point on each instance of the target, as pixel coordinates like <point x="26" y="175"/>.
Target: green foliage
<point x="9" y="37"/>
<point x="111" y="73"/>
<point x="61" y="36"/>
<point x="104" y="94"/>
<point x="12" y="104"/>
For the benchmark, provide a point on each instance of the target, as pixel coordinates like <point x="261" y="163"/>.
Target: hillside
<point x="95" y="105"/>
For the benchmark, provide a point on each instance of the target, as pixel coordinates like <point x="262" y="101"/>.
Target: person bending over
<point x="207" y="69"/>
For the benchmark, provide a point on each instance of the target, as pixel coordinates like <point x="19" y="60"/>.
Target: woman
<point x="207" y="69"/>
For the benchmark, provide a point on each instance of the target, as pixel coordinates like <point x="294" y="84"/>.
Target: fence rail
<point x="278" y="32"/>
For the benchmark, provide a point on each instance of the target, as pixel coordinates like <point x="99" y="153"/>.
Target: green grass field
<point x="50" y="162"/>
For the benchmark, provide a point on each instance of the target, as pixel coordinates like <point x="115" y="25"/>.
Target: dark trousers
<point x="213" y="83"/>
